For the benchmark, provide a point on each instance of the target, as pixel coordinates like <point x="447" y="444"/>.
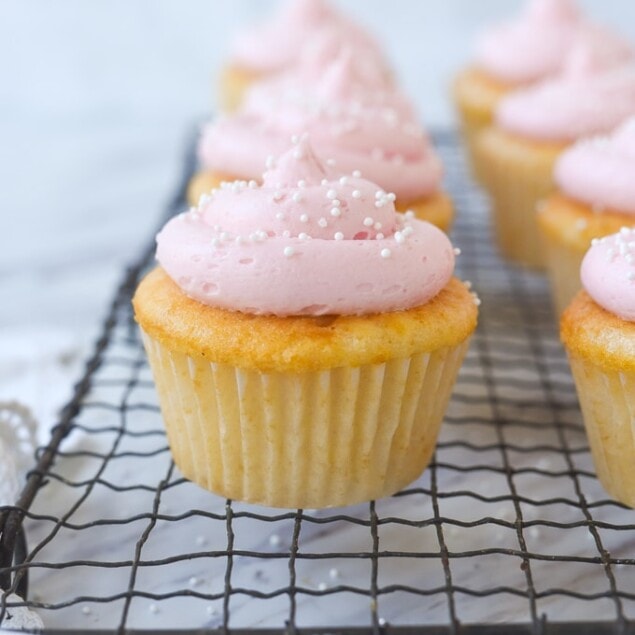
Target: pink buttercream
<point x="309" y="241"/>
<point x="608" y="273"/>
<point x="277" y="44"/>
<point x="601" y="171"/>
<point x="531" y="47"/>
<point x="354" y="117"/>
<point x="578" y="103"/>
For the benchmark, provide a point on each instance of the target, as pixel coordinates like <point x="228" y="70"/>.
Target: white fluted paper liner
<point x="315" y="439"/>
<point x="608" y="406"/>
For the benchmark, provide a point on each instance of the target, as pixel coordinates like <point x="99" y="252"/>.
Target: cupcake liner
<point x="517" y="175"/>
<point x="563" y="266"/>
<point x="607" y="398"/>
<point x="233" y="84"/>
<point x="315" y="439"/>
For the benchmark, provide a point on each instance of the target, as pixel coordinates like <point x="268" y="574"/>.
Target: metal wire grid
<point x="507" y="525"/>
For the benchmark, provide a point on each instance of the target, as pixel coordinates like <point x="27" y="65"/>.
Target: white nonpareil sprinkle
<point x="356" y="194"/>
<point x="457" y="251"/>
<point x="356" y="174"/>
<point x="153" y="608"/>
<point x="304" y="236"/>
<point x="379" y="236"/>
<point x="386" y="253"/>
<point x="297" y="197"/>
<point x="86" y="610"/>
<point x="288" y="252"/>
<point x="400" y="238"/>
<point x="336" y="211"/>
<point x="323" y="222"/>
<point x="304" y="218"/>
<point x="274" y="539"/>
<point x="334" y="573"/>
<point x="377" y="226"/>
<point x="325" y="182"/>
<point x="323" y="586"/>
<point x="409" y="215"/>
<point x="368" y="222"/>
<point x="270" y="163"/>
<point x="344" y="180"/>
<point x="331" y="194"/>
<point x="277" y="196"/>
<point x="301" y="183"/>
<point x="338" y="236"/>
<point x="194" y="581"/>
<point x="331" y="163"/>
<point x="280" y="216"/>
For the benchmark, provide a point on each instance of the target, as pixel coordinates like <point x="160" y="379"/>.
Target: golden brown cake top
<point x="300" y="344"/>
<point x="590" y="332"/>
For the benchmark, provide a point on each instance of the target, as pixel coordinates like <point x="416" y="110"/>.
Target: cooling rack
<point x="508" y="531"/>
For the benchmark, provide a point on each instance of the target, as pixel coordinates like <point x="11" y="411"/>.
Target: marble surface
<point x="95" y="103"/>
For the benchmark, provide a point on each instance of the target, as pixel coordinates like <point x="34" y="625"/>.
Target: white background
<point x="95" y="100"/>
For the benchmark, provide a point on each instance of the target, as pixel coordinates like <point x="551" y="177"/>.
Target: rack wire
<point x="507" y="531"/>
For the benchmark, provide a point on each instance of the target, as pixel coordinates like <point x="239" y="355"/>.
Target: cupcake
<point x="276" y="45"/>
<point x="598" y="331"/>
<point x="595" y="198"/>
<point x="507" y="58"/>
<point x="357" y="120"/>
<point x="517" y="155"/>
<point x="303" y="359"/>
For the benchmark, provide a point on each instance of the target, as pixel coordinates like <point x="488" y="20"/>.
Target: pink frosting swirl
<point x="354" y="116"/>
<point x="509" y="51"/>
<point x="309" y="241"/>
<point x="601" y="171"/>
<point x="608" y="273"/>
<point x="572" y="106"/>
<point x="277" y="44"/>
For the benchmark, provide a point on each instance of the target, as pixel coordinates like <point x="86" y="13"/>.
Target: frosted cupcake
<point x="276" y="45"/>
<point x="507" y="58"/>
<point x="303" y="359"/>
<point x="533" y="127"/>
<point x="598" y="331"/>
<point x="357" y="120"/>
<point x="595" y="198"/>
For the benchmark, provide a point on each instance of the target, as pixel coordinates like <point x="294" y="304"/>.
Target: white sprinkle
<point x="323" y="222"/>
<point x="277" y="196"/>
<point x="211" y="610"/>
<point x="534" y="532"/>
<point x="301" y="183"/>
<point x="304" y="218"/>
<point x="409" y="215"/>
<point x="368" y="222"/>
<point x="153" y="608"/>
<point x="631" y="276"/>
<point x="338" y="236"/>
<point x="239" y="240"/>
<point x="336" y="211"/>
<point x="379" y="194"/>
<point x="336" y="202"/>
<point x="201" y="541"/>
<point x="298" y="154"/>
<point x="194" y="581"/>
<point x="303" y="236"/>
<point x="400" y="238"/>
<point x="253" y="185"/>
<point x="379" y="236"/>
<point x="407" y="230"/>
<point x="86" y="610"/>
<point x="344" y="180"/>
<point x="356" y="194"/>
<point x="323" y="586"/>
<point x="457" y="251"/>
<point x="331" y="194"/>
<point x="331" y="163"/>
<point x="224" y="236"/>
<point x="581" y="224"/>
<point x="215" y="242"/>
<point x="274" y="539"/>
<point x="382" y="622"/>
<point x="377" y="226"/>
<point x="297" y="197"/>
<point x="295" y="139"/>
<point x="280" y="216"/>
<point x="356" y="174"/>
<point x="325" y="182"/>
<point x="391" y="196"/>
<point x="467" y="284"/>
<point x="334" y="574"/>
<point x="270" y="163"/>
<point x="477" y="300"/>
<point x="286" y="234"/>
<point x="595" y="241"/>
<point x="386" y="253"/>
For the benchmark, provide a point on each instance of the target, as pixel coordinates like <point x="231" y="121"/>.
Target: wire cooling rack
<point x="508" y="530"/>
